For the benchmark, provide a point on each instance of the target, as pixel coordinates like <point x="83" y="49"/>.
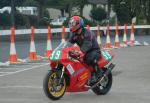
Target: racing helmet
<point x="75" y="23"/>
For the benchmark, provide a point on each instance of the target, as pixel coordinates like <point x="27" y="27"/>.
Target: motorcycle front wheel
<point x="51" y="86"/>
<point x="104" y="87"/>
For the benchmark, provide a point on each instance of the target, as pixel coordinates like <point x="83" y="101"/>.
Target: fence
<point x="58" y="30"/>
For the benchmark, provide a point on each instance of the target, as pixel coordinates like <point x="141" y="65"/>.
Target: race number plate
<point x="106" y="55"/>
<point x="70" y="69"/>
<point x="55" y="55"/>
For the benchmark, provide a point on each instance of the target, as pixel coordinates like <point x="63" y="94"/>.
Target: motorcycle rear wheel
<point x="50" y="85"/>
<point x="102" y="90"/>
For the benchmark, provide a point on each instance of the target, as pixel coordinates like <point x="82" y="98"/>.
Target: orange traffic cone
<point x="117" y="44"/>
<point x="99" y="37"/>
<point x="49" y="45"/>
<point x="132" y="39"/>
<point x="13" y="56"/>
<point x="63" y="34"/>
<point x="32" y="53"/>
<point x="125" y="36"/>
<point x="108" y="44"/>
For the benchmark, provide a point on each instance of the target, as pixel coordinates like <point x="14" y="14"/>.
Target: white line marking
<point x="6" y="72"/>
<point x="22" y="86"/>
<point x="23" y="70"/>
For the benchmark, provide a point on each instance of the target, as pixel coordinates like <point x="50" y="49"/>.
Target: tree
<point x="81" y="4"/>
<point x="127" y="9"/>
<point x="4" y="3"/>
<point x="123" y="11"/>
<point x="136" y="9"/>
<point x="98" y="14"/>
<point x="12" y="4"/>
<point x="63" y="5"/>
<point x="146" y="9"/>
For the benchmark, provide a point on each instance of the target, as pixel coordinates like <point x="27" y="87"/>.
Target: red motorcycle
<point x="69" y="73"/>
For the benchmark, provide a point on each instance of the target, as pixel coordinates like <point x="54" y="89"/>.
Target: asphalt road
<point x="131" y="84"/>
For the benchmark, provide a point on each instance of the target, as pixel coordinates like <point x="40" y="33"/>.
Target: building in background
<point x="5" y="9"/>
<point x="22" y="10"/>
<point x="28" y="10"/>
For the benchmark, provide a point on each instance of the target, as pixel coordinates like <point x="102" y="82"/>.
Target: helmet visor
<point x="72" y="23"/>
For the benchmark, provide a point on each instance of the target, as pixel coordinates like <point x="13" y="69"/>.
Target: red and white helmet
<point x="75" y="23"/>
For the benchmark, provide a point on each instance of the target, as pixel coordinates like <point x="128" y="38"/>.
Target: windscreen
<point x="63" y="45"/>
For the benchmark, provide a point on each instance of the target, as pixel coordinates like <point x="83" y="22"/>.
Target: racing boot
<point x="98" y="71"/>
<point x="95" y="76"/>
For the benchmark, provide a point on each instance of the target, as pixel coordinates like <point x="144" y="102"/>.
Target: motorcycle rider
<point x="87" y="42"/>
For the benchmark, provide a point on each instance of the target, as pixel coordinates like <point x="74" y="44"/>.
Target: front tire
<point x="51" y="88"/>
<point x="104" y="89"/>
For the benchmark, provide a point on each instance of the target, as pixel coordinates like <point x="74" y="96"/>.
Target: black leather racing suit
<point x="88" y="44"/>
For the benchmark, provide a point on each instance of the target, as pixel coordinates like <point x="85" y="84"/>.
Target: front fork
<point x="62" y="73"/>
<point x="59" y="69"/>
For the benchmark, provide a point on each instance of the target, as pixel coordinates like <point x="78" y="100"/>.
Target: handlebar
<point x="74" y="54"/>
